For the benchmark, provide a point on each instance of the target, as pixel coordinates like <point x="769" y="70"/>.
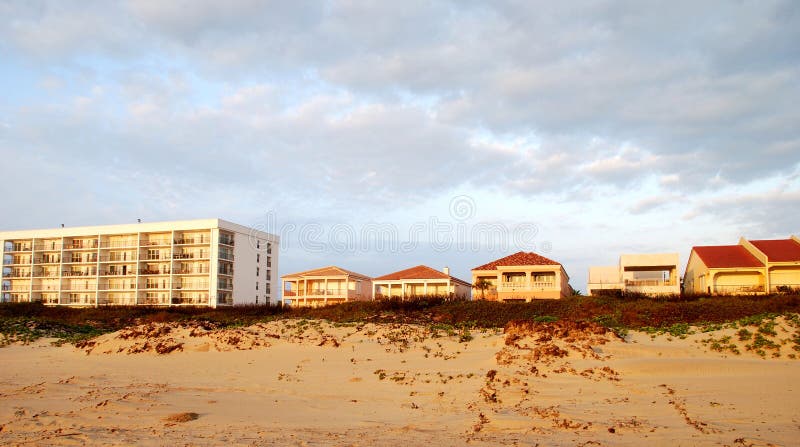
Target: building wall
<point x="170" y="285"/>
<point x="696" y="278"/>
<point x="416" y="287"/>
<point x="526" y="290"/>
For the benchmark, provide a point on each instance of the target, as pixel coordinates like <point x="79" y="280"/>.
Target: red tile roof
<point x="419" y="272"/>
<point x="326" y="271"/>
<point x="519" y="258"/>
<point x="726" y="256"/>
<point x="780" y="250"/>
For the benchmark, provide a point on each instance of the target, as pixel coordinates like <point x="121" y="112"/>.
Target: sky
<point x="381" y="135"/>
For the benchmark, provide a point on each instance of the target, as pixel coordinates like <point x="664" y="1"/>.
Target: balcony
<point x="82" y="245"/>
<point x="192" y="286"/>
<point x="189" y="300"/>
<point x="318" y="293"/>
<point x="506" y="286"/>
<point x="18" y="248"/>
<point x="118" y="273"/>
<point x="154" y="272"/>
<point x="189" y="256"/>
<point x="193" y="241"/>
<point x="77" y="273"/>
<point x="157" y="243"/>
<point x="48" y="247"/>
<point x="131" y="243"/>
<point x="648" y="282"/>
<point x="197" y="271"/>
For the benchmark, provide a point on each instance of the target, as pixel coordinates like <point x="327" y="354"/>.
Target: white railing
<point x="738" y="288"/>
<point x="527" y="285"/>
<point x="648" y="282"/>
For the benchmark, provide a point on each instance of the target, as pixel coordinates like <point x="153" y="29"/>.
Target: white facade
<point x="651" y="274"/>
<point x="204" y="262"/>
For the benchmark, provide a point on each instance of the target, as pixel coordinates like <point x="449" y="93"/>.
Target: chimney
<point x="446" y="271"/>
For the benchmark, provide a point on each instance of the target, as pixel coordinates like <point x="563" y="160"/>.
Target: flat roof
<point x="143" y="227"/>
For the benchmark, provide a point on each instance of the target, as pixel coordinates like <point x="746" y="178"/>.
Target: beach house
<point x="751" y="266"/>
<point x="420" y="281"/>
<point x="522" y="276"/>
<point x="651" y="274"/>
<point x="326" y="285"/>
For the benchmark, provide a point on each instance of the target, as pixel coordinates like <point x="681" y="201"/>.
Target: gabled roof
<point x="779" y="250"/>
<point x="518" y="258"/>
<point x="726" y="256"/>
<point x="419" y="272"/>
<point x="331" y="270"/>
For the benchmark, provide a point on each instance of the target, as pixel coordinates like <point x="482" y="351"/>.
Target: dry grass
<point x="182" y="417"/>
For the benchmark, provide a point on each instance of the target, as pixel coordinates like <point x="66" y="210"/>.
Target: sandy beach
<point x="305" y="383"/>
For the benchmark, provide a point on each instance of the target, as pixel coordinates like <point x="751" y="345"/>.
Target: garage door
<point x="784" y="277"/>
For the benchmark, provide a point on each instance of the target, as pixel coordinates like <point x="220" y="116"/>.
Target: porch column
<point x="528" y="283"/>
<point x="425" y="288"/>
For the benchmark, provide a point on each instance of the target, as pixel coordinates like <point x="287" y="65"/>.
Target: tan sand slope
<point x="299" y="382"/>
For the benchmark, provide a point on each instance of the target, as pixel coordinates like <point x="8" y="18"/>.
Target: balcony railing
<point x="154" y="272"/>
<point x="189" y="300"/>
<point x="77" y="273"/>
<point x="316" y="293"/>
<point x="156" y="242"/>
<point x="48" y="247"/>
<point x="648" y="282"/>
<point x="191" y="271"/>
<point x="189" y="256"/>
<point x="119" y="244"/>
<point x="526" y="285"/>
<point x="191" y="286"/>
<point x="733" y="289"/>
<point x="120" y="286"/>
<point x="785" y="288"/>
<point x="118" y="273"/>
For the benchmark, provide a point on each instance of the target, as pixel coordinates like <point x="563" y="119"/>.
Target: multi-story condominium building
<point x="323" y="286"/>
<point x="651" y="274"/>
<point x="522" y="276"/>
<point x="206" y="262"/>
<point x="420" y="281"/>
<point x="757" y="267"/>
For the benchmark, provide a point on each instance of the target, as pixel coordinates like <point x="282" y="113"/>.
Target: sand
<point x="314" y="383"/>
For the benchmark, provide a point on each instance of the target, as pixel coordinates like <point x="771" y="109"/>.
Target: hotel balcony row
<point x="93" y="258"/>
<point x="165" y="239"/>
<point x="120" y="299"/>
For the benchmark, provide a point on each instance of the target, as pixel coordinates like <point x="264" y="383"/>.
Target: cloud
<point x="347" y="108"/>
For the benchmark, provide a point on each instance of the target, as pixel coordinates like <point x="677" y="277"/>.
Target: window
<point x="256" y="285"/>
<point x="258" y="258"/>
<point x="258" y="271"/>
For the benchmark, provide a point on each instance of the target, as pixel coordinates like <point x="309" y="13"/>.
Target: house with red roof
<point x="522" y="276"/>
<point x="751" y="266"/>
<point x="326" y="285"/>
<point x="420" y="281"/>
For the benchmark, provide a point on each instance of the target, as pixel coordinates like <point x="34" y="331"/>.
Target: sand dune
<point x="297" y="382"/>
